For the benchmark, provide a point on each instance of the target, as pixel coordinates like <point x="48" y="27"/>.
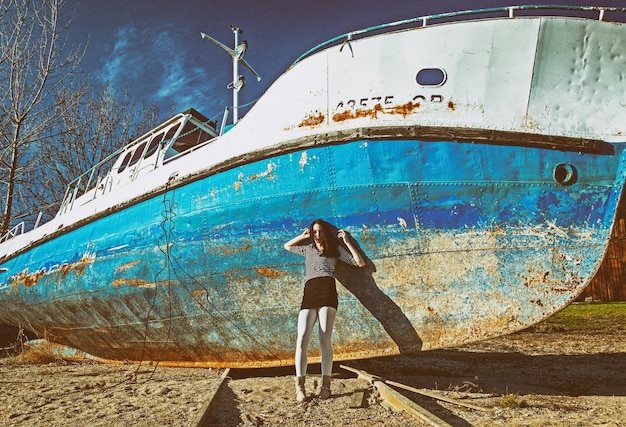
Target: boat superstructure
<point x="478" y="163"/>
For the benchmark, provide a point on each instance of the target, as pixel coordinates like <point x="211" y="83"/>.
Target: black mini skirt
<point x="320" y="292"/>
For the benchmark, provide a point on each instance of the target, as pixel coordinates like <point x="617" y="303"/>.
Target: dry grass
<point x="512" y="401"/>
<point x="42" y="353"/>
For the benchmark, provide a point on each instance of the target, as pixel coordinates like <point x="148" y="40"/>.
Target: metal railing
<point x="99" y="178"/>
<point x="83" y="182"/>
<point x="15" y="231"/>
<point x="507" y="11"/>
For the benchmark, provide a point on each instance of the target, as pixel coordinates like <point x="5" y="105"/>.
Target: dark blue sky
<point x="154" y="46"/>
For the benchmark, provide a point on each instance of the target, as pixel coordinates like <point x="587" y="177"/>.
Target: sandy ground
<point x="532" y="378"/>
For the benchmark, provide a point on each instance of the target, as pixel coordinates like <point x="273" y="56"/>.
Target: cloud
<point x="157" y="65"/>
<point x="120" y="65"/>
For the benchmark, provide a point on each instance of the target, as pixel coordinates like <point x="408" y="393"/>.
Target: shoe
<point x="325" y="391"/>
<point x="300" y="389"/>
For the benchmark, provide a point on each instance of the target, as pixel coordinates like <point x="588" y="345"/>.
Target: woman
<point x="320" y="296"/>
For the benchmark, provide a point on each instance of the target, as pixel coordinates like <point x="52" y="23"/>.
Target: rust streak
<point x="343" y="116"/>
<point x="31" y="279"/>
<point x="78" y="267"/>
<point x="536" y="278"/>
<point x="404" y="110"/>
<point x="270" y="272"/>
<point x="312" y="121"/>
<point x="377" y="109"/>
<point x="126" y="266"/>
<point x="133" y="282"/>
<point x="232" y="251"/>
<point x="28" y="280"/>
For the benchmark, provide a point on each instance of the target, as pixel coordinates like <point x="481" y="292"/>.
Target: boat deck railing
<point x="16" y="230"/>
<point x="85" y="181"/>
<point x="98" y="180"/>
<point x="506" y="11"/>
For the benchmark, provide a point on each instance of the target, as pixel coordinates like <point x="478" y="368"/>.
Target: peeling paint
<point x="429" y="285"/>
<point x="304" y="159"/>
<point x="117" y="248"/>
<point x="265" y="174"/>
<point x="237" y="184"/>
<point x="60" y="272"/>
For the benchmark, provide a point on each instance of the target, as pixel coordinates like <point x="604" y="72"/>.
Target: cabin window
<point x="190" y="136"/>
<point x="154" y="145"/>
<point x="124" y="162"/>
<point x="432" y="77"/>
<point x="170" y="134"/>
<point x="137" y="154"/>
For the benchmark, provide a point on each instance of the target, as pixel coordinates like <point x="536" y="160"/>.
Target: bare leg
<point x="306" y="321"/>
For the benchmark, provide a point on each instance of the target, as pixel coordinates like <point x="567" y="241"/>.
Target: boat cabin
<point x="169" y="141"/>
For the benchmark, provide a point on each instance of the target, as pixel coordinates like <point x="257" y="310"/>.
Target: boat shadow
<point x="505" y="373"/>
<point x="508" y="377"/>
<point x="478" y="375"/>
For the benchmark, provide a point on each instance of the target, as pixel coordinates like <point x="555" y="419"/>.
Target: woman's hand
<point x="360" y="262"/>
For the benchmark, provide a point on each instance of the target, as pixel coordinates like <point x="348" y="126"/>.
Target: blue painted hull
<point x="465" y="242"/>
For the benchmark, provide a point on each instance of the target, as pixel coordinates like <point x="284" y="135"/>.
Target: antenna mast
<point x="237" y="54"/>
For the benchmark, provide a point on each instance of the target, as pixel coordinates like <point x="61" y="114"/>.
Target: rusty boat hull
<point x="476" y="220"/>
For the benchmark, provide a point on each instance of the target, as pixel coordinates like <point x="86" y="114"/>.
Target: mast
<point x="237" y="54"/>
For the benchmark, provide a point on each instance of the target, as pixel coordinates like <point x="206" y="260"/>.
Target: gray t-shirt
<point x="318" y="265"/>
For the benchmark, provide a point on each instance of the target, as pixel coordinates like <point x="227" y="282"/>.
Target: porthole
<point x="565" y="174"/>
<point x="432" y="77"/>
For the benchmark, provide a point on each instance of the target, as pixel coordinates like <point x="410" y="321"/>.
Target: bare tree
<point x="88" y="132"/>
<point x="35" y="64"/>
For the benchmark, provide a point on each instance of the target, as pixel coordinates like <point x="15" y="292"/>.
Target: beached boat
<point x="477" y="158"/>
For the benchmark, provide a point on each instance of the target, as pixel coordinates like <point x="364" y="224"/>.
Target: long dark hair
<point x="328" y="239"/>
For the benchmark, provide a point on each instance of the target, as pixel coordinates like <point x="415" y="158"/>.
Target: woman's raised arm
<point x="298" y="239"/>
<point x="360" y="262"/>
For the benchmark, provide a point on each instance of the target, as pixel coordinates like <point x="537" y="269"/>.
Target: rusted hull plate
<point x="465" y="242"/>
